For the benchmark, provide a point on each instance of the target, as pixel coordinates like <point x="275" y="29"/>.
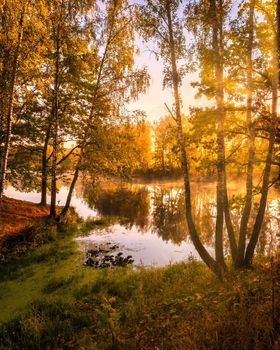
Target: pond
<point x="151" y="225"/>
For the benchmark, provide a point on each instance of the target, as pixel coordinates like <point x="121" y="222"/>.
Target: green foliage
<point x="94" y="224"/>
<point x="177" y="307"/>
<point x="14" y="246"/>
<point x="49" y="300"/>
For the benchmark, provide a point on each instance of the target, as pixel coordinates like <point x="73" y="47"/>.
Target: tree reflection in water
<point x="161" y="209"/>
<point x="132" y="206"/>
<point x="168" y="214"/>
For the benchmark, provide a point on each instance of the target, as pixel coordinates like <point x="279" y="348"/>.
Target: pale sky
<point x="152" y="103"/>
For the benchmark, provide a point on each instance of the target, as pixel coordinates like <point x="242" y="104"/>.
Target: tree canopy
<point x="68" y="74"/>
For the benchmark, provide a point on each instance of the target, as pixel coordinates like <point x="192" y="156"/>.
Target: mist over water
<point x="151" y="224"/>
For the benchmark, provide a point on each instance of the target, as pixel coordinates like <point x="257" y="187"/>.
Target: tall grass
<point x="51" y="301"/>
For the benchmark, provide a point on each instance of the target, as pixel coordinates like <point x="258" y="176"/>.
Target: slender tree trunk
<point x="217" y="45"/>
<point x="6" y="54"/>
<point x="72" y="187"/>
<point x="229" y="225"/>
<point x="278" y="36"/>
<point x="206" y="257"/>
<point x="3" y="102"/>
<point x="91" y="114"/>
<point x="228" y="221"/>
<point x="5" y="153"/>
<point x="44" y="179"/>
<point x="162" y="161"/>
<point x="4" y="92"/>
<point x="9" y="118"/>
<point x="55" y="122"/>
<point x="251" y="138"/>
<point x="272" y="136"/>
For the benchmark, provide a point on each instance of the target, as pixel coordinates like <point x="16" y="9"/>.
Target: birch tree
<point x="213" y="85"/>
<point x="115" y="79"/>
<point x="160" y="22"/>
<point x="12" y="28"/>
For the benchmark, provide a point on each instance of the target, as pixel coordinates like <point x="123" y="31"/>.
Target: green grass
<point x="48" y="300"/>
<point x="96" y="224"/>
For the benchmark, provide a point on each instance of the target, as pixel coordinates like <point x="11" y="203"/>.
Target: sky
<point x="153" y="102"/>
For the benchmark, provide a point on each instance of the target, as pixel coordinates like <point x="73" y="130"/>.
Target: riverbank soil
<point x="16" y="215"/>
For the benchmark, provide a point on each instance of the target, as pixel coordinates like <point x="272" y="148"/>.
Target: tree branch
<point x="67" y="155"/>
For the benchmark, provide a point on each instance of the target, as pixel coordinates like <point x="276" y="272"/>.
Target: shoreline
<point x="16" y="215"/>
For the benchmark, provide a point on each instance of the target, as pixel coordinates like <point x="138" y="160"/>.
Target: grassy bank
<point x="48" y="300"/>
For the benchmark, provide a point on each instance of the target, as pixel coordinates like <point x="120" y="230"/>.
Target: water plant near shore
<point x="101" y="257"/>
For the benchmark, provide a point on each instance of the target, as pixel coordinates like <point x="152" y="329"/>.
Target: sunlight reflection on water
<point x="147" y="249"/>
<point x="153" y="229"/>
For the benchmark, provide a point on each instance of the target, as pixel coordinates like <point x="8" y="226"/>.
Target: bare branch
<point x="169" y="110"/>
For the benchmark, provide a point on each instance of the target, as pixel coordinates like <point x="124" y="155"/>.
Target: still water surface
<point x="151" y="225"/>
